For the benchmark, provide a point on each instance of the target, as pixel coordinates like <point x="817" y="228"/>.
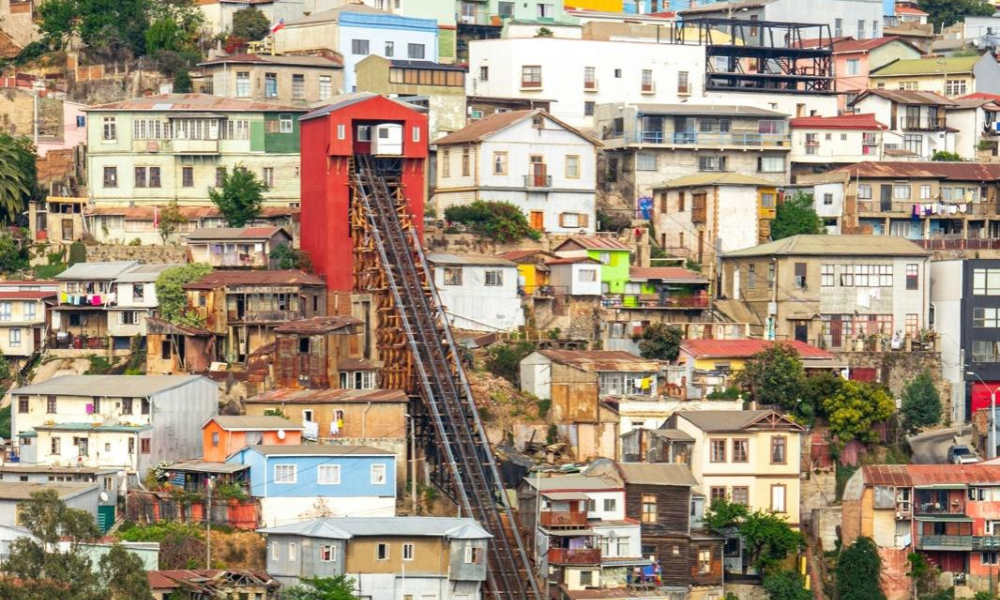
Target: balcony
<point x="190" y="146"/>
<point x="905" y="207"/>
<point x="264" y="316"/>
<point x="479" y="17"/>
<point x="945" y="542"/>
<point x="590" y="85"/>
<point x="537" y="181"/>
<point x="922" y="123"/>
<point x="700" y="139"/>
<point x="563" y="518"/>
<point x="580" y="556"/>
<point x="648" y="87"/>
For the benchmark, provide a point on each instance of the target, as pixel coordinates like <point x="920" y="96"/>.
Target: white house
<point x="829" y="141"/>
<point x="915" y="119"/>
<point x="578" y="74"/>
<point x="529" y="158"/>
<point x="973" y="118"/>
<point x="122" y="421"/>
<point x="478" y="293"/>
<point x="136" y="300"/>
<point x="575" y="275"/>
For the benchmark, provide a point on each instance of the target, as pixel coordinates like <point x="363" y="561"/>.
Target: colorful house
<point x="614" y="256"/>
<point x="222" y="435"/>
<point x="665" y="287"/>
<point x="854" y="59"/>
<point x="532" y="271"/>
<point x="294" y="483"/>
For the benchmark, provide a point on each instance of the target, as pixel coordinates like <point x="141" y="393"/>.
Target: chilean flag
<point x="277" y="26"/>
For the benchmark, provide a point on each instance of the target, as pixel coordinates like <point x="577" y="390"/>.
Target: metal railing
<point x="578" y="556"/>
<point x="907" y="207"/>
<point x="562" y="518"/>
<point x="957" y="542"/>
<point x="537" y="181"/>
<point x="923" y="123"/>
<point x="698" y="138"/>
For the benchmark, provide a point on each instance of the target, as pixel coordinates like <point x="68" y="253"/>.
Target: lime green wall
<point x="615" y="272"/>
<point x="280" y="142"/>
<point x="446" y="44"/>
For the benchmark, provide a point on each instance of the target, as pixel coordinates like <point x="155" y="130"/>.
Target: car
<point x="960" y="454"/>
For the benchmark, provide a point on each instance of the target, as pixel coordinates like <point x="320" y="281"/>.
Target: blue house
<point x="302" y="482"/>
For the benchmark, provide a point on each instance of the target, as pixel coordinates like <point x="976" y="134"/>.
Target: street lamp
<point x="992" y="450"/>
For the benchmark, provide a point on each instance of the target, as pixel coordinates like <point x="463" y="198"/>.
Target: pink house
<point x="855" y="59"/>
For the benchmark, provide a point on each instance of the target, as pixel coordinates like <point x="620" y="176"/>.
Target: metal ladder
<point x="465" y="451"/>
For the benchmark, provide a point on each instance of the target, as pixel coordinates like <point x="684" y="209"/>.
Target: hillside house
<point x="25" y="317"/>
<point x="135" y="302"/>
<point x="224" y="435"/>
<point x="950" y="76"/>
<point x="916" y="122"/>
<point x="237" y="247"/>
<point x="824" y="143"/>
<point x="614" y="256"/>
<point x="478" y="292"/>
<point x="854" y="59"/>
<point x="322" y="353"/>
<point x="80" y="496"/>
<point x="80" y="320"/>
<point x="285" y="79"/>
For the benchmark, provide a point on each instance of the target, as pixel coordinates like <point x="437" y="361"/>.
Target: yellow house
<point x="752" y="457"/>
<point x="950" y="76"/>
<point x="615" y="6"/>
<point x="532" y="272"/>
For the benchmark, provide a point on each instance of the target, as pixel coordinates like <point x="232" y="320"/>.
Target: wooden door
<point x="537" y="220"/>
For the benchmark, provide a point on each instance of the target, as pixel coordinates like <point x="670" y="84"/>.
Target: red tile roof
<point x="745" y="348"/>
<point x="909" y="10"/>
<point x="594" y="242"/>
<point x="980" y="96"/>
<point x="848" y="45"/>
<point x="34" y="295"/>
<point x="920" y="475"/>
<point x="863" y="121"/>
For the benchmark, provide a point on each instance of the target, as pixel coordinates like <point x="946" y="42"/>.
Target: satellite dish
<point x="281" y="434"/>
<point x="104" y="496"/>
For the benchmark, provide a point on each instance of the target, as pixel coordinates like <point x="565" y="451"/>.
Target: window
<point x="647" y="81"/>
<point x="416" y="134"/>
<point x="853" y="66"/>
<point x="751" y="277"/>
<point x="610" y="505"/>
<point x="325" y="87"/>
<point x="716" y="493"/>
<point x="29" y="311"/>
<point x="912" y="324"/>
<point x="127" y="406"/>
<point x="986" y="282"/>
<point x="270" y="85"/>
<point x="531" y="76"/>
<point x="827" y="199"/>
<point x="494" y="277"/>
<point x="586" y="578"/>
<point x="985" y="351"/>
<point x="864" y="191"/>
<point x="466" y="162"/>
<point x="711" y="163"/>
<point x="826" y="277"/>
<point x="341" y="131"/>
<point x="499" y="162"/>
<point x="407" y="551"/>
<point x="144" y="445"/>
<point x="275" y="551"/>
<point x="771" y="164"/>
<point x="328" y="475"/>
<point x="838" y="28"/>
<point x="473" y="554"/>
<point x="778" y="498"/>
<point x="683" y="85"/>
<point x="544" y="11"/>
<point x="378" y="475"/>
<point x="770" y="276"/>
<point x="588" y="108"/>
<point x="22" y="405"/>
<point x="144" y="406"/>
<point x="912" y="276"/>
<point x="645" y="161"/>
<point x="954" y="87"/>
<point x="359" y="47"/>
<point x="718" y="451"/>
<point x="242" y="84"/>
<point x="327" y="553"/>
<point x="285" y="123"/>
<point x="390" y="49"/>
<point x="800" y="276"/>
<point x="704" y="560"/>
<point x="741" y="450"/>
<point x="985" y="317"/>
<point x="267" y="176"/>
<point x="453" y="275"/>
<point x="989" y="557"/>
<point x="572" y="166"/>
<point x="741" y="495"/>
<point x="648" y="508"/>
<point x="110" y="177"/>
<point x="914" y="142"/>
<point x="778" y="445"/>
<point x="586" y="275"/>
<point x="50" y="405"/>
<point x="56" y="446"/>
<point x="415" y="51"/>
<point x="285" y="473"/>
<point x="140" y="177"/>
<point x="215" y="439"/>
<point x="187" y="176"/>
<point x="901" y="191"/>
<point x="505" y="9"/>
<point x="15" y="338"/>
<point x="589" y="78"/>
<point x="110" y="131"/>
<point x="292" y="552"/>
<point x="382" y="551"/>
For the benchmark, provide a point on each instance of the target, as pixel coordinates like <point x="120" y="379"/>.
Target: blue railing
<point x="696" y="138"/>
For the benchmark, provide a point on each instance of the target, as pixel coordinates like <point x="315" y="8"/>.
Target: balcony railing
<point x="906" y="207"/>
<point x="697" y="138"/>
<point x="190" y="146"/>
<point x="563" y="518"/>
<point x="264" y="316"/>
<point x="580" y="556"/>
<point x="653" y="301"/>
<point x="945" y="542"/>
<point x="923" y="123"/>
<point x="934" y="508"/>
<point x="537" y="181"/>
<point x="590" y="85"/>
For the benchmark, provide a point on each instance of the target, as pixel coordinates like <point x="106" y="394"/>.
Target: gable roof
<point x="484" y="128"/>
<point x="345" y="528"/>
<point x="292" y="60"/>
<point x="700" y="179"/>
<point x="902" y="9"/>
<point x="22" y="490"/>
<point x="834" y="245"/>
<point x="193" y="103"/>
<point x="953" y="171"/>
<point x="108" y="385"/>
<point x="593" y="242"/>
<point x="570" y="483"/>
<point x="235" y="233"/>
<point x="731" y="420"/>
<point x="657" y="474"/>
<point x="939" y="65"/>
<point x="325" y="107"/>
<point x="478" y="260"/>
<point x="314" y="450"/>
<point x="96" y="270"/>
<point x="602" y="360"/>
<point x="143" y="273"/>
<point x="222" y="278"/>
<point x="862" y="121"/>
<point x="746" y="348"/>
<point x="253" y="423"/>
<point x="850" y="45"/>
<point x="905" y="97"/>
<point x="517" y="255"/>
<point x="318" y="324"/>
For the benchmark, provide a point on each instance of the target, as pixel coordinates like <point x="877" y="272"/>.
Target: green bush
<point x="504" y="360"/>
<point x="499" y="221"/>
<point x="77" y="253"/>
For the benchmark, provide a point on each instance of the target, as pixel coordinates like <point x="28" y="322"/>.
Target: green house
<point x="614" y="256"/>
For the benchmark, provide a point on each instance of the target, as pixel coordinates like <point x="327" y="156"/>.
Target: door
<point x="67" y="229"/>
<point x="836" y="333"/>
<point x="537" y="171"/>
<point x="801" y="331"/>
<point x="36" y="335"/>
<point x="537" y="220"/>
<point x="736" y="283"/>
<point x="885" y="198"/>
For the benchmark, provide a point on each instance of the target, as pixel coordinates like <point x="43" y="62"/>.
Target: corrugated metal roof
<point x="746" y="348"/>
<point x="952" y="171"/>
<point x="441" y="258"/>
<point x="325" y="107"/>
<point x="15" y="295"/>
<point x="571" y="483"/>
<point x="108" y="385"/>
<point x="702" y="179"/>
<point x="570" y="260"/>
<point x="676" y="435"/>
<point x="939" y="65"/>
<point x="143" y="273"/>
<point x="929" y="475"/>
<point x="594" y="242"/>
<point x="481" y="129"/>
<point x="223" y="278"/>
<point x="93" y="427"/>
<point x="253" y="423"/>
<point x="198" y="466"/>
<point x="708" y="110"/>
<point x="565" y="495"/>
<point x="861" y="121"/>
<point x="314" y="450"/>
<point x="516" y="255"/>
<point x="345" y="528"/>
<point x="281" y="59"/>
<point x="657" y="474"/>
<point x="193" y="103"/>
<point x="22" y="490"/>
<point x="318" y="324"/>
<point x="602" y="360"/>
<point x="728" y="420"/>
<point x="666" y="274"/>
<point x="850" y="45"/>
<point x="234" y="233"/>
<point x="905" y="97"/>
<point x="834" y="245"/>
<point x="282" y="396"/>
<point x="96" y="271"/>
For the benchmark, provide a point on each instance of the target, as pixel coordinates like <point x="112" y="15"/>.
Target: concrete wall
<point x="143" y="254"/>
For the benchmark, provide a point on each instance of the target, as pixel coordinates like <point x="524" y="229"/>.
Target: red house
<point x="354" y="124"/>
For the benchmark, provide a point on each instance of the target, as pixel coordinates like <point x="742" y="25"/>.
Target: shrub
<point x="499" y="221"/>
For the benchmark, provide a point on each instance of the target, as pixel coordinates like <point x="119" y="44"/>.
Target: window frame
<point x="779" y="441"/>
<point x="283" y="479"/>
<point x="332" y="475"/>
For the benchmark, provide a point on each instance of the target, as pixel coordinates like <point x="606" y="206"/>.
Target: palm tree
<point x="15" y="184"/>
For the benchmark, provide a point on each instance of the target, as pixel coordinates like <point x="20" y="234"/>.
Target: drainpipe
<point x="364" y="421"/>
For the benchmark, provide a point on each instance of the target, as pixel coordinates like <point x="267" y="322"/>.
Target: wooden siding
<point x="714" y="576"/>
<point x="673" y="507"/>
<point x="574" y="395"/>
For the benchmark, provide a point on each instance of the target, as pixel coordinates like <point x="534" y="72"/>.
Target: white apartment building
<point x="136" y="301"/>
<point x="916" y="122"/>
<point x="822" y="143"/>
<point x="541" y="165"/>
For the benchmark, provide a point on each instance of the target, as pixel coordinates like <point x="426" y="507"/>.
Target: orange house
<point x="223" y="435"/>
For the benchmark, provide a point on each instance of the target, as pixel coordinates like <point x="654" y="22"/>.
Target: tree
<point x="660" y="341"/>
<point x="286" y="257"/>
<point x="921" y="403"/>
<point x="111" y="28"/>
<point x="859" y="570"/>
<point x="13" y="257"/>
<point x="773" y="376"/>
<point x="815" y="390"/>
<point x="504" y="360"/>
<point x="170" y="293"/>
<point x="499" y="221"/>
<point x="922" y="574"/>
<point x="853" y="413"/>
<point x="340" y="587"/>
<point x="240" y="197"/>
<point x="250" y="24"/>
<point x="945" y="13"/>
<point x="182" y="82"/>
<point x="124" y="575"/>
<point x="171" y="218"/>
<point x="767" y="536"/>
<point x="945" y="156"/>
<point x="796" y="216"/>
<point x="786" y="585"/>
<point x="18" y="176"/>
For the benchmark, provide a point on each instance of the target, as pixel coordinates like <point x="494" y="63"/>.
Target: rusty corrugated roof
<point x="222" y="278"/>
<point x="667" y="274"/>
<point x="317" y="324"/>
<point x="602" y="360"/>
<point x="746" y="348"/>
<point x="193" y="102"/>
<point x="289" y="396"/>
<point x="953" y="171"/>
<point x="926" y="475"/>
<point x="594" y="242"/>
<point x="906" y="97"/>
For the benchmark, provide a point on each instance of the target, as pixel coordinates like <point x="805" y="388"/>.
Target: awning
<point x="944" y="518"/>
<point x="65" y="200"/>
<point x="565" y="495"/>
<point x="569" y="532"/>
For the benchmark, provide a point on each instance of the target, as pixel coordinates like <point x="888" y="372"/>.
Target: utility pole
<point x="208" y="525"/>
<point x="413" y="462"/>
